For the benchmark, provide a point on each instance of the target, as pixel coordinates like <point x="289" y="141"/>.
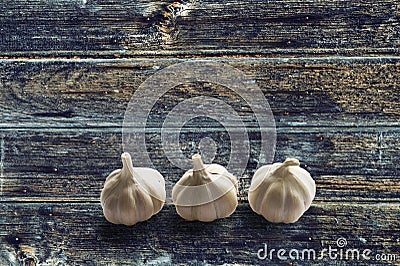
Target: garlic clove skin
<point x="281" y="192"/>
<point x="153" y="182"/>
<point x="132" y="194"/>
<point x="205" y="193"/>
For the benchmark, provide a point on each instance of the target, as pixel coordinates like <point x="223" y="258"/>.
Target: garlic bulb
<point x="205" y="193"/>
<point x="132" y="194"/>
<point x="281" y="192"/>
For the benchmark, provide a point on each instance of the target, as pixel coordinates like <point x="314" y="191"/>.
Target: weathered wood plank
<point x="78" y="234"/>
<point x="72" y="165"/>
<point x="109" y="28"/>
<point x="301" y="92"/>
<point x="60" y="124"/>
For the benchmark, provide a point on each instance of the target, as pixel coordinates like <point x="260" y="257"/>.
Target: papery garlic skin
<point x="205" y="193"/>
<point x="132" y="194"/>
<point x="281" y="192"/>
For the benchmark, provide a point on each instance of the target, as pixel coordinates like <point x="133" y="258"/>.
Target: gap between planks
<point x="203" y="53"/>
<point x="295" y="128"/>
<point x="206" y="58"/>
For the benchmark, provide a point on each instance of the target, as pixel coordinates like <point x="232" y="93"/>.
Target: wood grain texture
<point x="301" y="92"/>
<point x="61" y="136"/>
<point x="108" y="28"/>
<point x="62" y="166"/>
<point x="77" y="234"/>
<point x="330" y="71"/>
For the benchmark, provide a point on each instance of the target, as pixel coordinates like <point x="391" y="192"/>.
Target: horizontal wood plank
<point x="95" y="93"/>
<point x="78" y="234"/>
<point x="109" y="28"/>
<point x="70" y="166"/>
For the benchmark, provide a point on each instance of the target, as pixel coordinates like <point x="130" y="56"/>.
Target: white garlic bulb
<point x="132" y="194"/>
<point x="205" y="193"/>
<point x="281" y="192"/>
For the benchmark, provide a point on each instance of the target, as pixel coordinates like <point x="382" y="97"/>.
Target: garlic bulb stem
<point x="283" y="167"/>
<point x="199" y="171"/>
<point x="197" y="163"/>
<point x="127" y="165"/>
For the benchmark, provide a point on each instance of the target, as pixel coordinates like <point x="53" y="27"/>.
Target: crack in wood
<point x="64" y="114"/>
<point x="172" y="12"/>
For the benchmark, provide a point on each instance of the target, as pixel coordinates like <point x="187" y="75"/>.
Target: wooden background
<point x="329" y="69"/>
